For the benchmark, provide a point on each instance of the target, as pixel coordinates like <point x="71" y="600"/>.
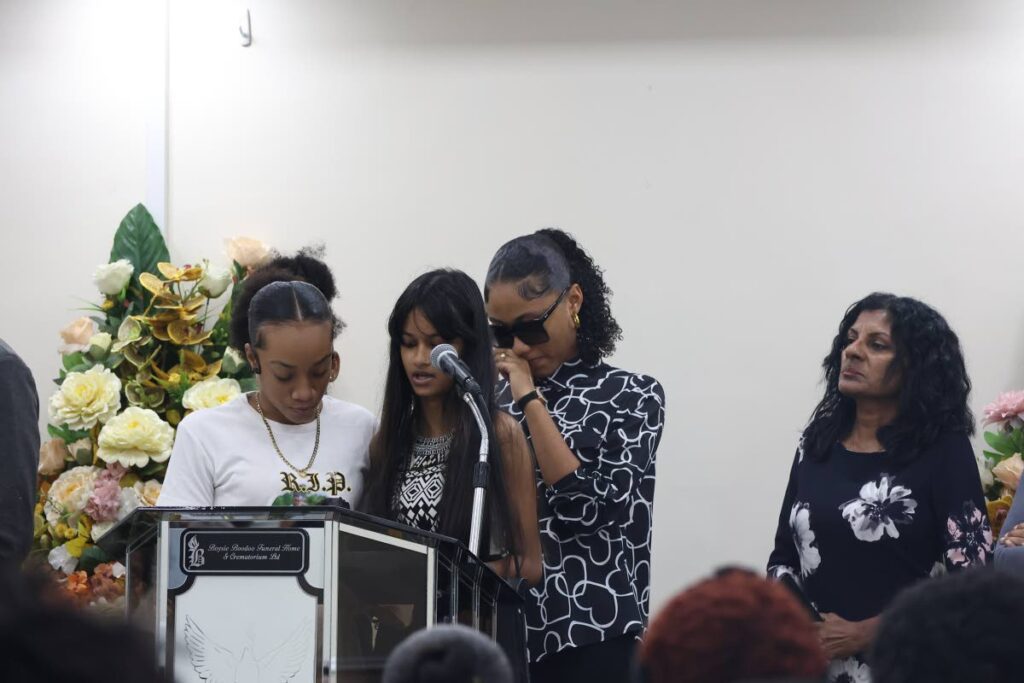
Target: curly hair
<point x="551" y="260"/>
<point x="730" y="627"/>
<point x="960" y="627"/>
<point x="305" y="266"/>
<point x="934" y="390"/>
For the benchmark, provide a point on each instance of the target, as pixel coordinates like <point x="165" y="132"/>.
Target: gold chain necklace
<point x="316" y="444"/>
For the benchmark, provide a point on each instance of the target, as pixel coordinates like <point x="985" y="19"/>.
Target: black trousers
<point x="610" y="661"/>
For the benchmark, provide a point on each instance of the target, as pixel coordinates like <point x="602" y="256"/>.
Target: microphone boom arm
<point x="481" y="472"/>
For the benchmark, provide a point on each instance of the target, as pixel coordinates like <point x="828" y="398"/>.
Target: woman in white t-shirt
<point x="288" y="437"/>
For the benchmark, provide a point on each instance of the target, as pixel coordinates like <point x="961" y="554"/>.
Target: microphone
<point x="445" y="358"/>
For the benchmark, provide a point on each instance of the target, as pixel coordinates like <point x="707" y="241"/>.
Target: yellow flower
<point x="69" y="495"/>
<point x="997" y="512"/>
<point x="86" y="398"/>
<point x="211" y="393"/>
<point x="135" y="437"/>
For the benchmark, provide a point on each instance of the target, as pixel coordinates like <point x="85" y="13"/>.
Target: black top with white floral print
<point x="595" y="523"/>
<point x="857" y="528"/>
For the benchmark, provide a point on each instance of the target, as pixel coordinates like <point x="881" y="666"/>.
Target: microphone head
<point x="439" y="351"/>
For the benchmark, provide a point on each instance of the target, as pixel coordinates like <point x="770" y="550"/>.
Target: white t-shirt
<point x="223" y="456"/>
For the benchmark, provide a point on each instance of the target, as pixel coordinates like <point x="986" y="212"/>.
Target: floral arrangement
<point x="1002" y="466"/>
<point x="154" y="350"/>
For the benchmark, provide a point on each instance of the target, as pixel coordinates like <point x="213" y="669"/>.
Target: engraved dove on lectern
<point x="217" y="664"/>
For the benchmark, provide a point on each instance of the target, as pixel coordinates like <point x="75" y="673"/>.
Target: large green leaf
<point x="140" y="241"/>
<point x="1002" y="443"/>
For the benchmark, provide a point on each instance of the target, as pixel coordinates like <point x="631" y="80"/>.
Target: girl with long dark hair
<point x="884" y="488"/>
<point x="422" y="457"/>
<point x="594" y="430"/>
<point x="289" y="436"/>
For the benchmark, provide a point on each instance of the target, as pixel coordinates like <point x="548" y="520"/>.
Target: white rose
<point x="246" y="251"/>
<point x="135" y="437"/>
<point x="100" y="343"/>
<point x="215" y="281"/>
<point x="69" y="494"/>
<point x="148" y="492"/>
<point x="77" y="334"/>
<point x="1008" y="471"/>
<point x="130" y="500"/>
<point x="51" y="457"/>
<point x="111" y="278"/>
<point x="210" y="393"/>
<point x="100" y="528"/>
<point x="233" y="361"/>
<point x="85" y="398"/>
<point x="61" y="560"/>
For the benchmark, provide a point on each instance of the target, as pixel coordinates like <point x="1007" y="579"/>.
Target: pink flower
<point x="1007" y="408"/>
<point x="105" y="501"/>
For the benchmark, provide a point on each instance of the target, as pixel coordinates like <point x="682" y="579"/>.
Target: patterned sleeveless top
<point x="416" y="500"/>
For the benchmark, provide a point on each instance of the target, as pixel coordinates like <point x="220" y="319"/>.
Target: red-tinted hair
<point x="731" y="627"/>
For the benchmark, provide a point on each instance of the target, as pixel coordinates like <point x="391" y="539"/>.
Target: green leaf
<point x="153" y="469"/>
<point x="248" y="384"/>
<point x="92" y="556"/>
<point x="138" y="239"/>
<point x="69" y="435"/>
<point x="73" y="359"/>
<point x="1000" y="442"/>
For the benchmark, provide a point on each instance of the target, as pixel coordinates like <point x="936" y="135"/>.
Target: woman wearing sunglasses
<point x="594" y="431"/>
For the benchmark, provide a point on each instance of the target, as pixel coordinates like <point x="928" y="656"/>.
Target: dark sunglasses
<point x="530" y="332"/>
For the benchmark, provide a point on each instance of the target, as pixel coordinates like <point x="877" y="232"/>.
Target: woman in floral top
<point x="884" y="489"/>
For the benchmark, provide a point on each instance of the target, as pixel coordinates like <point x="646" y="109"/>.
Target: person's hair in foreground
<point x="450" y="653"/>
<point x="960" y="628"/>
<point x="734" y="626"/>
<point x="44" y="638"/>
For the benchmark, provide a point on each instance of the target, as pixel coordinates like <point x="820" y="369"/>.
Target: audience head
<point x="900" y="350"/>
<point x="45" y="638"/>
<point x="961" y="628"/>
<point x="548" y="273"/>
<point x="283" y="322"/>
<point x="732" y="627"/>
<point x="449" y="653"/>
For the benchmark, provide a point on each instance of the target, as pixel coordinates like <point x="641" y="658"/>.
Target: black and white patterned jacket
<point x="595" y="523"/>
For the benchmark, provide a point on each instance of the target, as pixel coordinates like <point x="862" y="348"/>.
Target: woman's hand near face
<point x="516" y="370"/>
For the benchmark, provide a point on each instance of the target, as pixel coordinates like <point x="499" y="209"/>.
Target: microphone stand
<point x="481" y="476"/>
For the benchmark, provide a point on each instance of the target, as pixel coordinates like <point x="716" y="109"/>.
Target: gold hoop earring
<point x="576" y="319"/>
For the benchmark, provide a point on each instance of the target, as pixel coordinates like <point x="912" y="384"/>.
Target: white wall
<point x="72" y="160"/>
<point x="742" y="170"/>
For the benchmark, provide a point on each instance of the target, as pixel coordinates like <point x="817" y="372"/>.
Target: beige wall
<point x="743" y="171"/>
